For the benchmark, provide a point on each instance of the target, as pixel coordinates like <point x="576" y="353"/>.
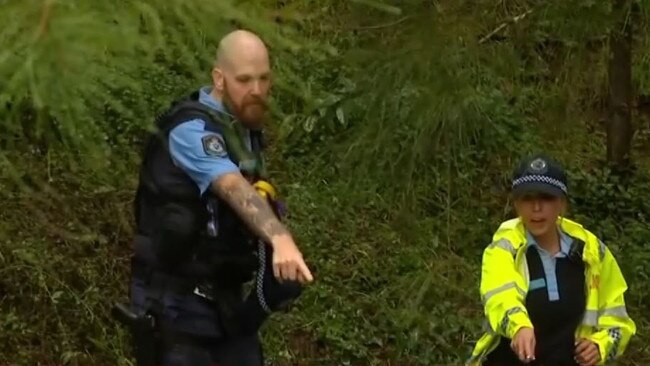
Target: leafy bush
<point x="397" y="126"/>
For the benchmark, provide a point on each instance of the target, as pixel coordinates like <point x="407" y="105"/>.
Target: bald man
<point x="208" y="221"/>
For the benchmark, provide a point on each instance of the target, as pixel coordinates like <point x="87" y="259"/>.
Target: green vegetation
<point x="397" y="124"/>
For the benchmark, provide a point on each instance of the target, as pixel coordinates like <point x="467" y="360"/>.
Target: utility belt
<point x="151" y="329"/>
<point x="143" y="271"/>
<point x="160" y="282"/>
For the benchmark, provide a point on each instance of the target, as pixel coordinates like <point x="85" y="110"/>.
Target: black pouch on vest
<point x="175" y="235"/>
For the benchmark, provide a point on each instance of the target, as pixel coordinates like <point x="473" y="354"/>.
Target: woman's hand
<point x="587" y="353"/>
<point x="523" y="344"/>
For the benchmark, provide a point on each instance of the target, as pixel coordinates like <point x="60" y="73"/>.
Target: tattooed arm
<point x="251" y="207"/>
<point x="288" y="263"/>
<point x="202" y="155"/>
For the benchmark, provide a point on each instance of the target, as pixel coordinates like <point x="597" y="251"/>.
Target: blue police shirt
<point x="198" y="152"/>
<point x="548" y="262"/>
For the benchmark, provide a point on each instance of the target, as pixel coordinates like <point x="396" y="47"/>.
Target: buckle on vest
<point x="199" y="292"/>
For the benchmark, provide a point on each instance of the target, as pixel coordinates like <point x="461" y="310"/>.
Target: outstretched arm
<point x="250" y="206"/>
<point x="288" y="263"/>
<point x="203" y="156"/>
<point x="501" y="290"/>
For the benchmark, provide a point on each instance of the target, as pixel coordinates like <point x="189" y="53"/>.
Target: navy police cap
<point x="539" y="174"/>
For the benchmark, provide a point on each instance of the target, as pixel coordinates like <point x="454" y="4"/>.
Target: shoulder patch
<point x="213" y="145"/>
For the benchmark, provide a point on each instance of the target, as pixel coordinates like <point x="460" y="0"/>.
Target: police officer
<point x="208" y="222"/>
<point x="552" y="292"/>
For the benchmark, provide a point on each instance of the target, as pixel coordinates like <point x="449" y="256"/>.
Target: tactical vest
<point x="181" y="231"/>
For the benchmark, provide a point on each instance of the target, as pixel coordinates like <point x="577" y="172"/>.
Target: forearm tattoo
<point x="251" y="207"/>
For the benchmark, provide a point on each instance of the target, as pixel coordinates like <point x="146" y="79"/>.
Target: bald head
<point x="242" y="76"/>
<point x="240" y="46"/>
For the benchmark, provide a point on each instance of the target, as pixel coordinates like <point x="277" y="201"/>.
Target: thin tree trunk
<point x="619" y="126"/>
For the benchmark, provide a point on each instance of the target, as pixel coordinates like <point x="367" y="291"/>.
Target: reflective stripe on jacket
<point x="505" y="280"/>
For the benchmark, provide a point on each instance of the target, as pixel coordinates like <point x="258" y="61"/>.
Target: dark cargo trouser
<point x="192" y="315"/>
<point x="243" y="351"/>
<point x="200" y="339"/>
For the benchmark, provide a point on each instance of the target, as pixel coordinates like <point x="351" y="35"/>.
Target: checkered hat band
<point x="539" y="179"/>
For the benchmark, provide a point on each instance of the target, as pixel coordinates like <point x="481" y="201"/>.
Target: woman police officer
<point x="552" y="292"/>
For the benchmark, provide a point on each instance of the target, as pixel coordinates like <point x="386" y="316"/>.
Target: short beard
<point x="251" y="122"/>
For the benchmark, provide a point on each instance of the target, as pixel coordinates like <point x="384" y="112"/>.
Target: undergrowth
<point x="392" y="146"/>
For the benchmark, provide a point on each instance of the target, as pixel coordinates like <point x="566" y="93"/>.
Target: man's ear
<point x="218" y="79"/>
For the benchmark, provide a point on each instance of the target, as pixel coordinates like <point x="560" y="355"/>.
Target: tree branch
<point x="385" y="25"/>
<point x="45" y="18"/>
<point x="514" y="20"/>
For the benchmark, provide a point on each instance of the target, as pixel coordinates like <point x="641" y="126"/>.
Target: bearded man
<point x="208" y="222"/>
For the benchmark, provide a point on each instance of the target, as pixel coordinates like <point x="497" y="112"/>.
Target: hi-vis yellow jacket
<point x="504" y="285"/>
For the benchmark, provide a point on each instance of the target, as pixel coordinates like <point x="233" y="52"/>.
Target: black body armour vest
<point x="180" y="231"/>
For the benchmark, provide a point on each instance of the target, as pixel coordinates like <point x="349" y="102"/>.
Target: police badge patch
<point x="538" y="166"/>
<point x="213" y="145"/>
